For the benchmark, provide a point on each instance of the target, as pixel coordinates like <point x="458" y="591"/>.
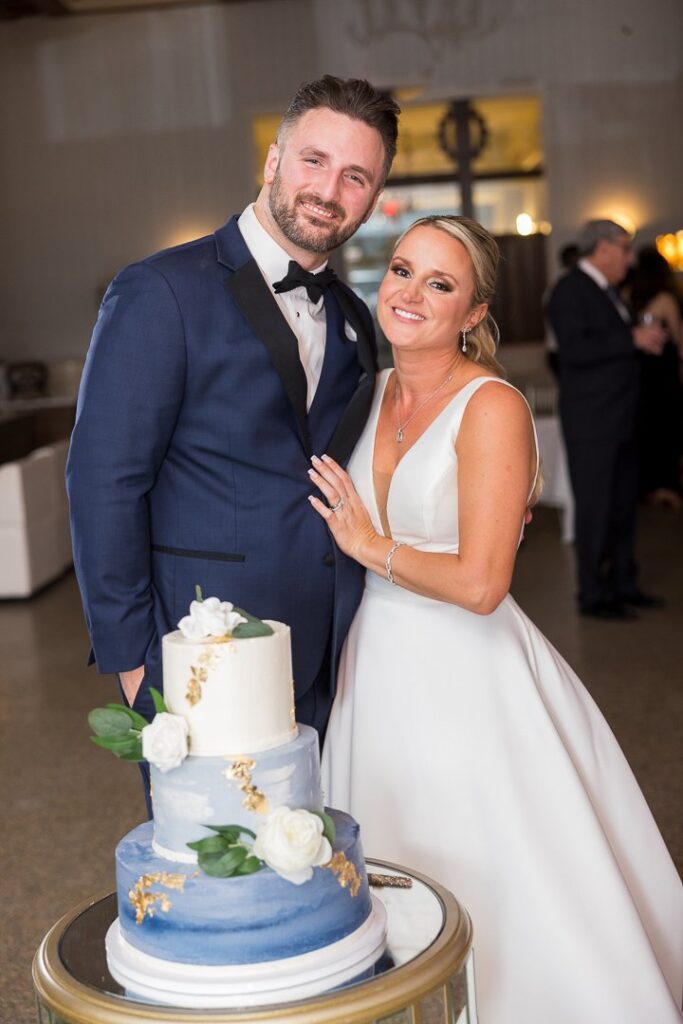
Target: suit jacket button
<point x="328" y="559"/>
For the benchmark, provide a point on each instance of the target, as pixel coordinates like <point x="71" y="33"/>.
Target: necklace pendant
<point x="399" y="435"/>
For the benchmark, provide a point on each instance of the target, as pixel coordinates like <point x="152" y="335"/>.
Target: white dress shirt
<point x="306" y="319"/>
<point x="603" y="283"/>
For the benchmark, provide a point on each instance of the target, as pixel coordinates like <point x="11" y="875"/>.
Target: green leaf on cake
<point x="229" y="833"/>
<point x="252" y="627"/>
<point x="232" y="832"/>
<point x="109" y="722"/>
<point x="159" y="702"/>
<point x="211" y="844"/>
<point x="223" y="855"/>
<point x="329" y="829"/>
<point x="128" y="747"/>
<point x="107" y="742"/>
<point x="137" y="720"/>
<point x="117" y="728"/>
<point x="134" y="755"/>
<point x="232" y="859"/>
<point x="223" y="865"/>
<point x="247" y="630"/>
<point x="227" y="836"/>
<point x="249" y="866"/>
<point x="210" y="865"/>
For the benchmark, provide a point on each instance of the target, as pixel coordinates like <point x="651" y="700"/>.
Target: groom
<point x="215" y="371"/>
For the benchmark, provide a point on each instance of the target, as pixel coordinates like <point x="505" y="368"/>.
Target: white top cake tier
<point x="236" y="695"/>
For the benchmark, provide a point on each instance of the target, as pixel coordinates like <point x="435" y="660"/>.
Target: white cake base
<point x="277" y="981"/>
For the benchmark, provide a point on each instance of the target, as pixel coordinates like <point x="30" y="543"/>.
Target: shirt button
<point x="328" y="559"/>
<point x="297" y="314"/>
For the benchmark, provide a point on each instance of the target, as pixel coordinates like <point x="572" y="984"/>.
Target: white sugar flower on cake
<point x="164" y="741"/>
<point x="291" y="842"/>
<point x="210" y="617"/>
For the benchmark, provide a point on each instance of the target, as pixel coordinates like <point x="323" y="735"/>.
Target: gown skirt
<point x="468" y="749"/>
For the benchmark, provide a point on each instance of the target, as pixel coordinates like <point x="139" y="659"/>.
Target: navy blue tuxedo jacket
<point x="189" y="457"/>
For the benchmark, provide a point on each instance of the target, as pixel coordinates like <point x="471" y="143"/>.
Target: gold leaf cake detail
<point x="145" y="902"/>
<point x="345" y="872"/>
<point x="200" y="673"/>
<point x="240" y="771"/>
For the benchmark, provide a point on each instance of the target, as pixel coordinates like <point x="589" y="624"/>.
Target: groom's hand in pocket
<point x="131" y="682"/>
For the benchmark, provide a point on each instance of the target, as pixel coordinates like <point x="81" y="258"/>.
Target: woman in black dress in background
<point x="653" y="293"/>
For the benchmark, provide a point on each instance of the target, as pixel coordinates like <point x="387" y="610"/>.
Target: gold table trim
<point x="397" y="988"/>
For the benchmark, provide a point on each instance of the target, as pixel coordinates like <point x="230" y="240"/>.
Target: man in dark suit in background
<point x="598" y="380"/>
<point x="216" y="370"/>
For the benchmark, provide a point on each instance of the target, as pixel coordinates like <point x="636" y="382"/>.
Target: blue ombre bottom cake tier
<point x="197" y="919"/>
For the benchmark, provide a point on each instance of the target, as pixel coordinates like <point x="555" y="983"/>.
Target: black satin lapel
<point x="352" y="421"/>
<point x="356" y="413"/>
<point x="252" y="295"/>
<point x="366" y="347"/>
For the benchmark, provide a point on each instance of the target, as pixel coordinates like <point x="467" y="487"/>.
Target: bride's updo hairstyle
<point x="482" y="340"/>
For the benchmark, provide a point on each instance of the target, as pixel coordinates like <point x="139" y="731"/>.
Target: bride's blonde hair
<point x="482" y="340"/>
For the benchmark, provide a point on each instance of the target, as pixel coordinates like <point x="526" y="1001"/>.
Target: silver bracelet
<point x="387" y="564"/>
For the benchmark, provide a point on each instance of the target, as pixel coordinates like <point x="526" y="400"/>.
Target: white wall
<point x="124" y="133"/>
<point x="609" y="73"/>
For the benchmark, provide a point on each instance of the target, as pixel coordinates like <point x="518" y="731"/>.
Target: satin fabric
<point x="467" y="748"/>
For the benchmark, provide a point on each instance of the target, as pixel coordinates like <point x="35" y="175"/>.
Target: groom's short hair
<point x="354" y="97"/>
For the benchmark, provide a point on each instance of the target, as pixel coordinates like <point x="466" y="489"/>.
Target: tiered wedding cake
<point x="242" y="891"/>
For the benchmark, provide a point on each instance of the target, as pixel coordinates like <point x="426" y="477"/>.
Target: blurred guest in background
<point x="599" y="395"/>
<point x="654" y="298"/>
<point x="568" y="257"/>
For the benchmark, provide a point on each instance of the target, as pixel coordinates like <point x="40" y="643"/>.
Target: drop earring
<point x="464" y="338"/>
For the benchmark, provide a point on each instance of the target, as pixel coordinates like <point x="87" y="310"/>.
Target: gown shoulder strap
<point x="473" y="386"/>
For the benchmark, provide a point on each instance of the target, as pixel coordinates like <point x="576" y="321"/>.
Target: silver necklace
<point x="400" y="433"/>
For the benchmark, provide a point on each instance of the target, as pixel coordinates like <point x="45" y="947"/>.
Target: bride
<point x="459" y="737"/>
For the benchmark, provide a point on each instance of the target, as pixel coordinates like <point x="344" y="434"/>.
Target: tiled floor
<point x="66" y="803"/>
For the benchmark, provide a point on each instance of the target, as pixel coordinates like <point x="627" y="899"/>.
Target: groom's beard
<point x="312" y="235"/>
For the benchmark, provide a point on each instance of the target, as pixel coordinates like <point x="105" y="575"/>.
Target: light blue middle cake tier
<point x="237" y="790"/>
<point x="197" y="919"/>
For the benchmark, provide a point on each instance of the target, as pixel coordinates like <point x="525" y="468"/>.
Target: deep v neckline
<point x="447" y="406"/>
<point x="414" y="445"/>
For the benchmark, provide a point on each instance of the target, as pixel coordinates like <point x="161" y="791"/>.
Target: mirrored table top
<point x="421" y="917"/>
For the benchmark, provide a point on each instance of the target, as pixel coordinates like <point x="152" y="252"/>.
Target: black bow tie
<point x="297" y="277"/>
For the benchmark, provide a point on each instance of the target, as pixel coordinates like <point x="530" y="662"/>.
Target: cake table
<point x="428" y="977"/>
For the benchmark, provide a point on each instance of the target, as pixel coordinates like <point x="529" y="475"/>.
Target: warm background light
<point x="514" y="140"/>
<point x="525" y="224"/>
<point x="186" y="233"/>
<point x="671" y="248"/>
<point x="626" y="222"/>
<point x="625" y="210"/>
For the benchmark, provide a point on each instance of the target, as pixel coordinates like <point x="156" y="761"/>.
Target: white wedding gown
<point x="468" y="749"/>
